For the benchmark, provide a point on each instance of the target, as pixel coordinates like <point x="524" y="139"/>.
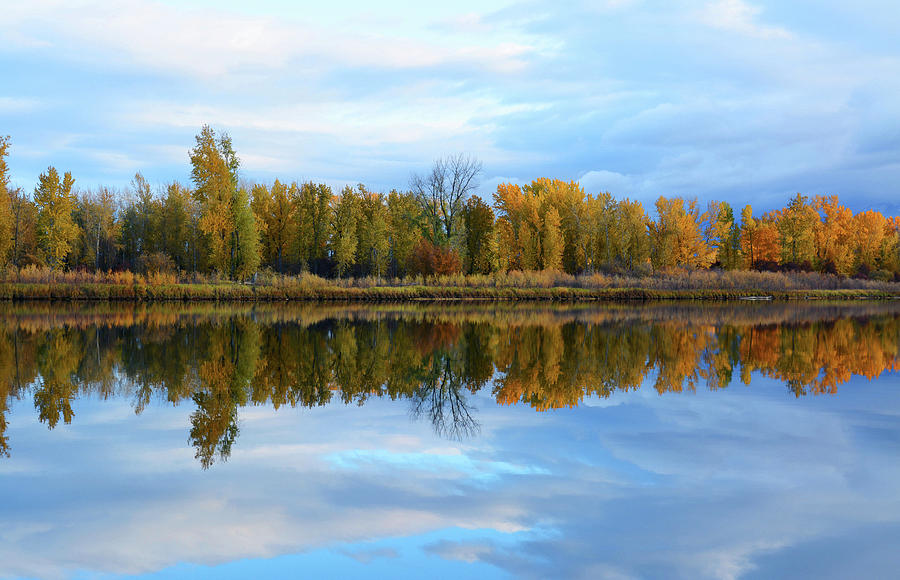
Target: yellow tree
<point x="797" y="229"/>
<point x="716" y="228"/>
<point x="676" y="235"/>
<point x="749" y="237"/>
<point x="551" y="241"/>
<point x="404" y="229"/>
<point x="834" y="235"/>
<point x="870" y="228"/>
<point x="260" y="202"/>
<point x="631" y="243"/>
<point x="6" y="209"/>
<point x="508" y="203"/>
<point x="56" y="225"/>
<point x="214" y="173"/>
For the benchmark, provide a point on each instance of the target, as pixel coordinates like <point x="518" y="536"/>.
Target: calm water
<point x="721" y="441"/>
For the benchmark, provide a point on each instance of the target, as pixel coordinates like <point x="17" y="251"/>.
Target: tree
<point x="24" y="229"/>
<point x="479" y="222"/>
<point x="442" y="193"/>
<point x="56" y="226"/>
<point x="797" y="230"/>
<point x="717" y="230"/>
<point x="508" y="202"/>
<point x="245" y="239"/>
<point x="344" y="238"/>
<point x="834" y="235"/>
<point x="6" y="209"/>
<point x="99" y="228"/>
<point x="373" y="250"/>
<point x="551" y="241"/>
<point x="312" y="224"/>
<point x="215" y="186"/>
<point x="404" y="229"/>
<point x="632" y="245"/>
<point x="177" y="225"/>
<point x="226" y="216"/>
<point x="275" y="212"/>
<point x="676" y="235"/>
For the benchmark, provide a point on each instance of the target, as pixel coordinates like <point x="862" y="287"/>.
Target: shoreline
<point x="58" y="291"/>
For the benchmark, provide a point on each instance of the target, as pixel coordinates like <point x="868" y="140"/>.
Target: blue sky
<point x="741" y="100"/>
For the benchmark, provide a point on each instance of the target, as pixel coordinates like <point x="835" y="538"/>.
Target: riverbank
<point x="42" y="284"/>
<point x="265" y="293"/>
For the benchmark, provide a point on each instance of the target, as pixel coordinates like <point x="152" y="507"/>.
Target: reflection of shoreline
<point x="224" y="357"/>
<point x="38" y="315"/>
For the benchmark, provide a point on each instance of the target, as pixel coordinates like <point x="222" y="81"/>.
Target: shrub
<point x="429" y="259"/>
<point x="155" y="263"/>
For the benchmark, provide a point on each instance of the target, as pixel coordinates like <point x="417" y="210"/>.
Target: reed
<point x="37" y="283"/>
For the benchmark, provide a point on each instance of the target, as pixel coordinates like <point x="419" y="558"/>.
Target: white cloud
<point x="209" y="44"/>
<point x="741" y="17"/>
<point x="17" y="105"/>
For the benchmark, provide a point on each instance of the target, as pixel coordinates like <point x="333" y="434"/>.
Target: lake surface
<point x="738" y="440"/>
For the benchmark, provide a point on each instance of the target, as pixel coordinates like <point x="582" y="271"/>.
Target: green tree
<point x="56" y="227"/>
<point x="313" y="223"/>
<point x="404" y="229"/>
<point x="176" y="224"/>
<point x="344" y="237"/>
<point x="96" y="217"/>
<point x="245" y="254"/>
<point x="373" y="249"/>
<point x="479" y="221"/>
<point x="24" y="229"/>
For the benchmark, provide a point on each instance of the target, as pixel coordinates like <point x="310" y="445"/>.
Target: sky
<point x="738" y="100"/>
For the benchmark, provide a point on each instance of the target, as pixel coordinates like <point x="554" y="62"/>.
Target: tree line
<point x="222" y="224"/>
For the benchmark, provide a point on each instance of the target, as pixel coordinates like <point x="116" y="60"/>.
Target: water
<point x="659" y="440"/>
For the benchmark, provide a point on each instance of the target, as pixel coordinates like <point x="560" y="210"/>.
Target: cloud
<point x="741" y="17"/>
<point x="18" y="105"/>
<point x="724" y="100"/>
<point x="208" y="44"/>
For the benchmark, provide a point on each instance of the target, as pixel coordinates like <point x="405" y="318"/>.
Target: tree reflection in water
<point x="223" y="358"/>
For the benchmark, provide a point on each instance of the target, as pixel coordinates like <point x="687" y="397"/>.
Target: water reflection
<point x="221" y="359"/>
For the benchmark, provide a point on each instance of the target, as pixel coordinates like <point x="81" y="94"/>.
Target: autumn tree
<point x="56" y="227"/>
<point x="344" y="237"/>
<point x="480" y="245"/>
<point x="404" y="229"/>
<point x="834" y="236"/>
<point x="313" y="221"/>
<point x="373" y="247"/>
<point x="226" y="216"/>
<point x="96" y="217"/>
<point x="180" y="236"/>
<point x="797" y="230"/>
<point x="24" y="228"/>
<point x="676" y="235"/>
<point x="631" y="243"/>
<point x="6" y="209"/>
<point x="275" y="212"/>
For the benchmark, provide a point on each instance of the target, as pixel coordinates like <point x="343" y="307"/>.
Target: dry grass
<point x="42" y="283"/>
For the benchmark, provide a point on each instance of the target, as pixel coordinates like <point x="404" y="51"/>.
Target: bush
<point x="428" y="259"/>
<point x="156" y="263"/>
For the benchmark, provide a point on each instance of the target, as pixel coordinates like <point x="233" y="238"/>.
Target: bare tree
<point x="443" y="193"/>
